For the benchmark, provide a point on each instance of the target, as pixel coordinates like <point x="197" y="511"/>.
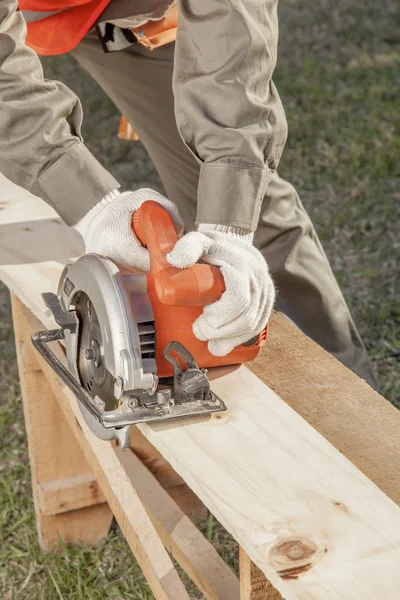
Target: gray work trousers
<point x="140" y="84"/>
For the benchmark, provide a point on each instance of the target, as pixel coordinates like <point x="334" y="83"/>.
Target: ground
<point x="338" y="75"/>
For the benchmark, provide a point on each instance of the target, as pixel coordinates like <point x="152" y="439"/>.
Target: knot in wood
<point x="294" y="556"/>
<point x="295" y="550"/>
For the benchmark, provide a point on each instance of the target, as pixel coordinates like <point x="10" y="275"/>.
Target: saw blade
<point x="93" y="373"/>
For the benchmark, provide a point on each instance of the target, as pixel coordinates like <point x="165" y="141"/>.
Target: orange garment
<point x="61" y="31"/>
<point x="56" y="26"/>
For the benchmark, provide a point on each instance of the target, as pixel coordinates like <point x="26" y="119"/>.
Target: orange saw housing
<point x="178" y="296"/>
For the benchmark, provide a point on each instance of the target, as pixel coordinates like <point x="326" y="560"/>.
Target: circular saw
<point x="131" y="351"/>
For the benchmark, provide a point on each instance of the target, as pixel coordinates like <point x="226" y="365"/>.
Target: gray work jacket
<point x="228" y="113"/>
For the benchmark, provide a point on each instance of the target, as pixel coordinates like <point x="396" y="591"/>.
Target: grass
<point x="338" y="76"/>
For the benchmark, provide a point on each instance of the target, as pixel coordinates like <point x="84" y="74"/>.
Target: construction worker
<point x="210" y="117"/>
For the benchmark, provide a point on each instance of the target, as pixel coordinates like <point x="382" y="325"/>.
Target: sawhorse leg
<point x="57" y="463"/>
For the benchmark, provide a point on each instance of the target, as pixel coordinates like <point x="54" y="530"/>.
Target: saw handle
<point x="198" y="285"/>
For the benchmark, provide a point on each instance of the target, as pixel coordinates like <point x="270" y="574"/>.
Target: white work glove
<point x="244" y="309"/>
<point x="107" y="228"/>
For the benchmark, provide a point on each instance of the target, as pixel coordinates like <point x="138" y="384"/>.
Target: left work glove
<point x="244" y="308"/>
<point x="107" y="228"/>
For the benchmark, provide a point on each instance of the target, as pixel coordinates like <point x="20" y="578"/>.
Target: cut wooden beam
<point x="11" y="193"/>
<point x="304" y="514"/>
<point x="82" y="490"/>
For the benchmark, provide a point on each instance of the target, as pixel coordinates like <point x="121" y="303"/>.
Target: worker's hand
<point x="107" y="228"/>
<point x="243" y="310"/>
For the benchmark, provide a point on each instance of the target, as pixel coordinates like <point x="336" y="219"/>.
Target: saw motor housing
<point x="178" y="296"/>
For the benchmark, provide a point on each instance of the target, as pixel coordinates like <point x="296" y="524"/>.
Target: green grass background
<point x="339" y="77"/>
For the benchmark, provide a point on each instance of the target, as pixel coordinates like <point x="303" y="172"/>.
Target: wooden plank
<point x="253" y="583"/>
<point x="115" y="484"/>
<point x="47" y="429"/>
<point x="185" y="542"/>
<point x="63" y="495"/>
<point x="343" y="408"/>
<point x="271" y="479"/>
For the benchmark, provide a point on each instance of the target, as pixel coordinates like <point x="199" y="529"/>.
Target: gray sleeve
<point x="41" y="147"/>
<point x="227" y="108"/>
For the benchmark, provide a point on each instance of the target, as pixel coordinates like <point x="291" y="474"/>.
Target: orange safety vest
<point x="57" y="26"/>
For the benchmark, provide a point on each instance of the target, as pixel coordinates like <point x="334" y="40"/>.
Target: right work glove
<point x="245" y="307"/>
<point x="107" y="228"/>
